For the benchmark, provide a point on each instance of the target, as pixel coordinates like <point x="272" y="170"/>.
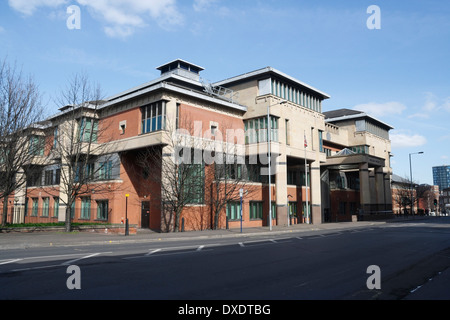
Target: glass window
<point x="45" y="206"/>
<point x="85" y="208"/>
<point x="234" y="210"/>
<point x="55" y="206"/>
<point x="34" y="208"/>
<point x="88" y="129"/>
<point x="102" y="209"/>
<point x="153" y="117"/>
<point x="256" y="210"/>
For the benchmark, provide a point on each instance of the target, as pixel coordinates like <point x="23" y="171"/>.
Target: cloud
<point x="402" y="140"/>
<point x="28" y="7"/>
<point x="121" y="18"/>
<point x="202" y="5"/>
<point x="381" y="109"/>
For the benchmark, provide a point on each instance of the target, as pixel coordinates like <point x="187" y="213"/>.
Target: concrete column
<point x="281" y="190"/>
<point x="364" y="187"/>
<point x="315" y="200"/>
<point x="379" y="188"/>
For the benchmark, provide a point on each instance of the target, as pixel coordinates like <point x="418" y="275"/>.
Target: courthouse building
<point x="325" y="166"/>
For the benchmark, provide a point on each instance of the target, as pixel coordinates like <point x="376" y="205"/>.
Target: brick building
<point x="332" y="166"/>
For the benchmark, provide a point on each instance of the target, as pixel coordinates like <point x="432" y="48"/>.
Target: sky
<point x="392" y="62"/>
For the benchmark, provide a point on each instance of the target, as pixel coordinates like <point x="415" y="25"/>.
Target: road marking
<point x="10" y="261"/>
<point x="152" y="252"/>
<point x="200" y="248"/>
<point x="241" y="244"/>
<point x="75" y="260"/>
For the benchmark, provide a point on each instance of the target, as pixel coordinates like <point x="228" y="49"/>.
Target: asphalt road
<point x="413" y="258"/>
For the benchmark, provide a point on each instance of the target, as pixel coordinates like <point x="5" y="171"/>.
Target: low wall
<point x="106" y="229"/>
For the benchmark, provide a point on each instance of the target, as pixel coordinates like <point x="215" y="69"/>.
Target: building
<point x="444" y="202"/>
<point x="441" y="176"/>
<point x="356" y="174"/>
<point x="323" y="166"/>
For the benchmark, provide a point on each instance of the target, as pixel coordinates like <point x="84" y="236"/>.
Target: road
<point x="413" y="258"/>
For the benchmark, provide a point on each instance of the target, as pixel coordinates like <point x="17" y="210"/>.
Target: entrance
<point x="145" y="214"/>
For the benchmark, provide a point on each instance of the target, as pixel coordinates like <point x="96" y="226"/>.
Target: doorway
<point x="145" y="214"/>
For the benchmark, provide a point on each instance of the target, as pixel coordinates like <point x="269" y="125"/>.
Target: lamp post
<point x="410" y="175"/>
<point x="127" y="230"/>
<point x="269" y="127"/>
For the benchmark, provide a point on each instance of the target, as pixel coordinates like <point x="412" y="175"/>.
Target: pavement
<point x="24" y="240"/>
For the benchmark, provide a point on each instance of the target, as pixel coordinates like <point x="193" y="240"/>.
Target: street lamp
<point x="410" y="175"/>
<point x="269" y="127"/>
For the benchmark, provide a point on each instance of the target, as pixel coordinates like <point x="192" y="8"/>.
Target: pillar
<point x="281" y="190"/>
<point x="364" y="188"/>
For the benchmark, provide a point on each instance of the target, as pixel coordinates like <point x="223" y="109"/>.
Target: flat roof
<point x="349" y="114"/>
<point x="269" y="70"/>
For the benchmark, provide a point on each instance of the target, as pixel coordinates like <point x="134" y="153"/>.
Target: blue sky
<point x="399" y="73"/>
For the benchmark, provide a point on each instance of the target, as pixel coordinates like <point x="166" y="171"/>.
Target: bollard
<point x="182" y="224"/>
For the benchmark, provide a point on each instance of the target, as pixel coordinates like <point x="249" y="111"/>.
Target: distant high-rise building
<point x="441" y="177"/>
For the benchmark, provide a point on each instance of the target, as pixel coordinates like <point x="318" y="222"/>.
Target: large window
<point x="36" y="145"/>
<point x="105" y="170"/>
<point x="34" y="208"/>
<point x="85" y="208"/>
<point x="55" y="206"/>
<point x="88" y="129"/>
<point x="234" y="210"/>
<point x="102" y="209"/>
<point x="45" y="206"/>
<point x="153" y="117"/>
<point x="194" y="182"/>
<point x="256" y="130"/>
<point x="256" y="210"/>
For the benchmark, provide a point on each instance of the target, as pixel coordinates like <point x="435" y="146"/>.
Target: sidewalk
<point x="19" y="240"/>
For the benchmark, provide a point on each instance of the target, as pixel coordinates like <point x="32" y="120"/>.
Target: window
<point x="292" y="209"/>
<point x="55" y="206"/>
<point x="48" y="178"/>
<point x="256" y="130"/>
<point x="88" y="129"/>
<point x="45" y="206"/>
<point x="104" y="171"/>
<point x="34" y="178"/>
<point x="256" y="210"/>
<point x="102" y="209"/>
<point x="85" y="208"/>
<point x="292" y="177"/>
<point x="153" y="117"/>
<point x="34" y="207"/>
<point x="194" y="181"/>
<point x="321" y="141"/>
<point x="234" y="210"/>
<point x="36" y="145"/>
<point x="57" y="176"/>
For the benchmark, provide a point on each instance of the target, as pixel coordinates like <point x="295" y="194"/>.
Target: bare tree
<point x="20" y="112"/>
<point x="178" y="168"/>
<point x="228" y="174"/>
<point x="82" y="147"/>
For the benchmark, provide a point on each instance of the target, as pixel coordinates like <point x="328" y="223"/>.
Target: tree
<point x="80" y="140"/>
<point x="20" y="112"/>
<point x="178" y="168"/>
<point x="228" y="174"/>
